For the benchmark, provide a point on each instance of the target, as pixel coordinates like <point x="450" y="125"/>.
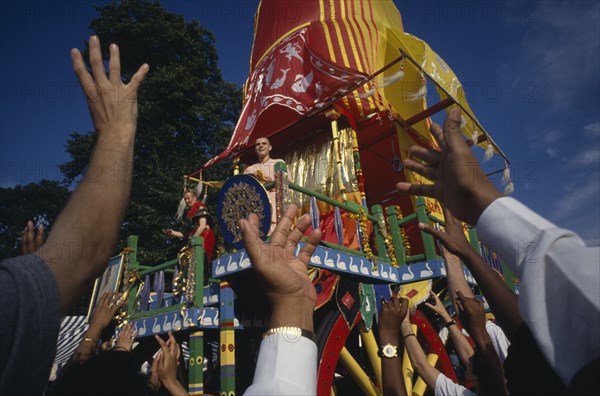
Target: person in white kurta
<point x="264" y="171"/>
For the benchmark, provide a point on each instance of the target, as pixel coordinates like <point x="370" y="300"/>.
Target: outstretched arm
<point x="291" y="294"/>
<point x="459" y="183"/>
<point x="175" y="233"/>
<point x="287" y="360"/>
<point x="166" y="365"/>
<point x="85" y="233"/>
<point x="489" y="370"/>
<point x="390" y="320"/>
<point x="502" y="300"/>
<point x="417" y="355"/>
<point x="460" y="342"/>
<point x="103" y="313"/>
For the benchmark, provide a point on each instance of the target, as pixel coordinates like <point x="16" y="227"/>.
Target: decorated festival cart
<point x="342" y="92"/>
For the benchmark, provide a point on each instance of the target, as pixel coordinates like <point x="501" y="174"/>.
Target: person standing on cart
<point x="196" y="222"/>
<point x="264" y="171"/>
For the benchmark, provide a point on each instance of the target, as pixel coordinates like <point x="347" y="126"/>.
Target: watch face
<point x="390" y="351"/>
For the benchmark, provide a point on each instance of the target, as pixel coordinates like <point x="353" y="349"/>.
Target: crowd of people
<point x="552" y="332"/>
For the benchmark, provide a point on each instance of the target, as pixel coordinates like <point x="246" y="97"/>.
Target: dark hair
<point x="111" y="373"/>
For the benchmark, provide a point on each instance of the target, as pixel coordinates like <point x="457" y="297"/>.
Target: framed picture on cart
<point x="109" y="281"/>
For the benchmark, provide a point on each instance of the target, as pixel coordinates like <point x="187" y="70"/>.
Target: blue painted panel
<point x="207" y="318"/>
<point x="348" y="264"/>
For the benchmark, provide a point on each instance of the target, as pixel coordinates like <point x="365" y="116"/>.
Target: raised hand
<point x="105" y="310"/>
<point x="166" y="365"/>
<point x="32" y="240"/>
<point x="438" y="307"/>
<point x="112" y="104"/>
<point x="94" y="212"/>
<point x="290" y="292"/>
<point x="471" y="313"/>
<point x="391" y="317"/>
<point x="453" y="238"/>
<point x="126" y="338"/>
<point x="459" y="182"/>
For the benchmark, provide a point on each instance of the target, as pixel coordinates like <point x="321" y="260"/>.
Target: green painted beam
<point x="396" y="235"/>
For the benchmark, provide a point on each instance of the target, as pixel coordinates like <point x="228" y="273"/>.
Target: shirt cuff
<point x="287" y="365"/>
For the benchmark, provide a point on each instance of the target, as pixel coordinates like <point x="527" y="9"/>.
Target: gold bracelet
<point x="292" y="332"/>
<point x="90" y="340"/>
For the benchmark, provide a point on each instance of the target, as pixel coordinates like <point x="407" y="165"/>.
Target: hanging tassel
<point x="420" y="94"/>
<point x="509" y="189"/>
<point x="506" y="174"/>
<point x="393" y="78"/>
<point x="159" y="287"/>
<point x="475" y="137"/>
<point x="367" y="94"/>
<point x="387" y="81"/>
<point x="489" y="152"/>
<point x="359" y="235"/>
<point x="145" y="294"/>
<point x="181" y="209"/>
<point x="200" y="187"/>
<point x="314" y="213"/>
<point x="338" y="224"/>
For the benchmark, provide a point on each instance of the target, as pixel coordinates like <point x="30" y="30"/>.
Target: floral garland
<point x="389" y="244"/>
<point x="190" y="287"/>
<point x="361" y="217"/>
<point x="405" y="241"/>
<point x="178" y="280"/>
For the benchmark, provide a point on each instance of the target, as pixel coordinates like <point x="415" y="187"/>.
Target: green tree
<point x="40" y="202"/>
<point x="186" y="114"/>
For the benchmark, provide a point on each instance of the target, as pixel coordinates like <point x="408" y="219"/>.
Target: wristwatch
<point x="388" y="351"/>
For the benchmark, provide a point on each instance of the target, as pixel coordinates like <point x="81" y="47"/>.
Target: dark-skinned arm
<point x="390" y="321"/>
<point x="489" y="370"/>
<point x="501" y="299"/>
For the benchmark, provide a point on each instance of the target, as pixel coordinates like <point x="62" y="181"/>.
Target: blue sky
<point x="530" y="70"/>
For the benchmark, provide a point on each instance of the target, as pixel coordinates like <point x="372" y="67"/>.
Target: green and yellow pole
<point x="227" y="340"/>
<point x="428" y="241"/>
<point x="196" y="381"/>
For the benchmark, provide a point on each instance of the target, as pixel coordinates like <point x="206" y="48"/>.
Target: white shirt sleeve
<point x="499" y="340"/>
<point x="559" y="297"/>
<point x="445" y="387"/>
<point x="285" y="366"/>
